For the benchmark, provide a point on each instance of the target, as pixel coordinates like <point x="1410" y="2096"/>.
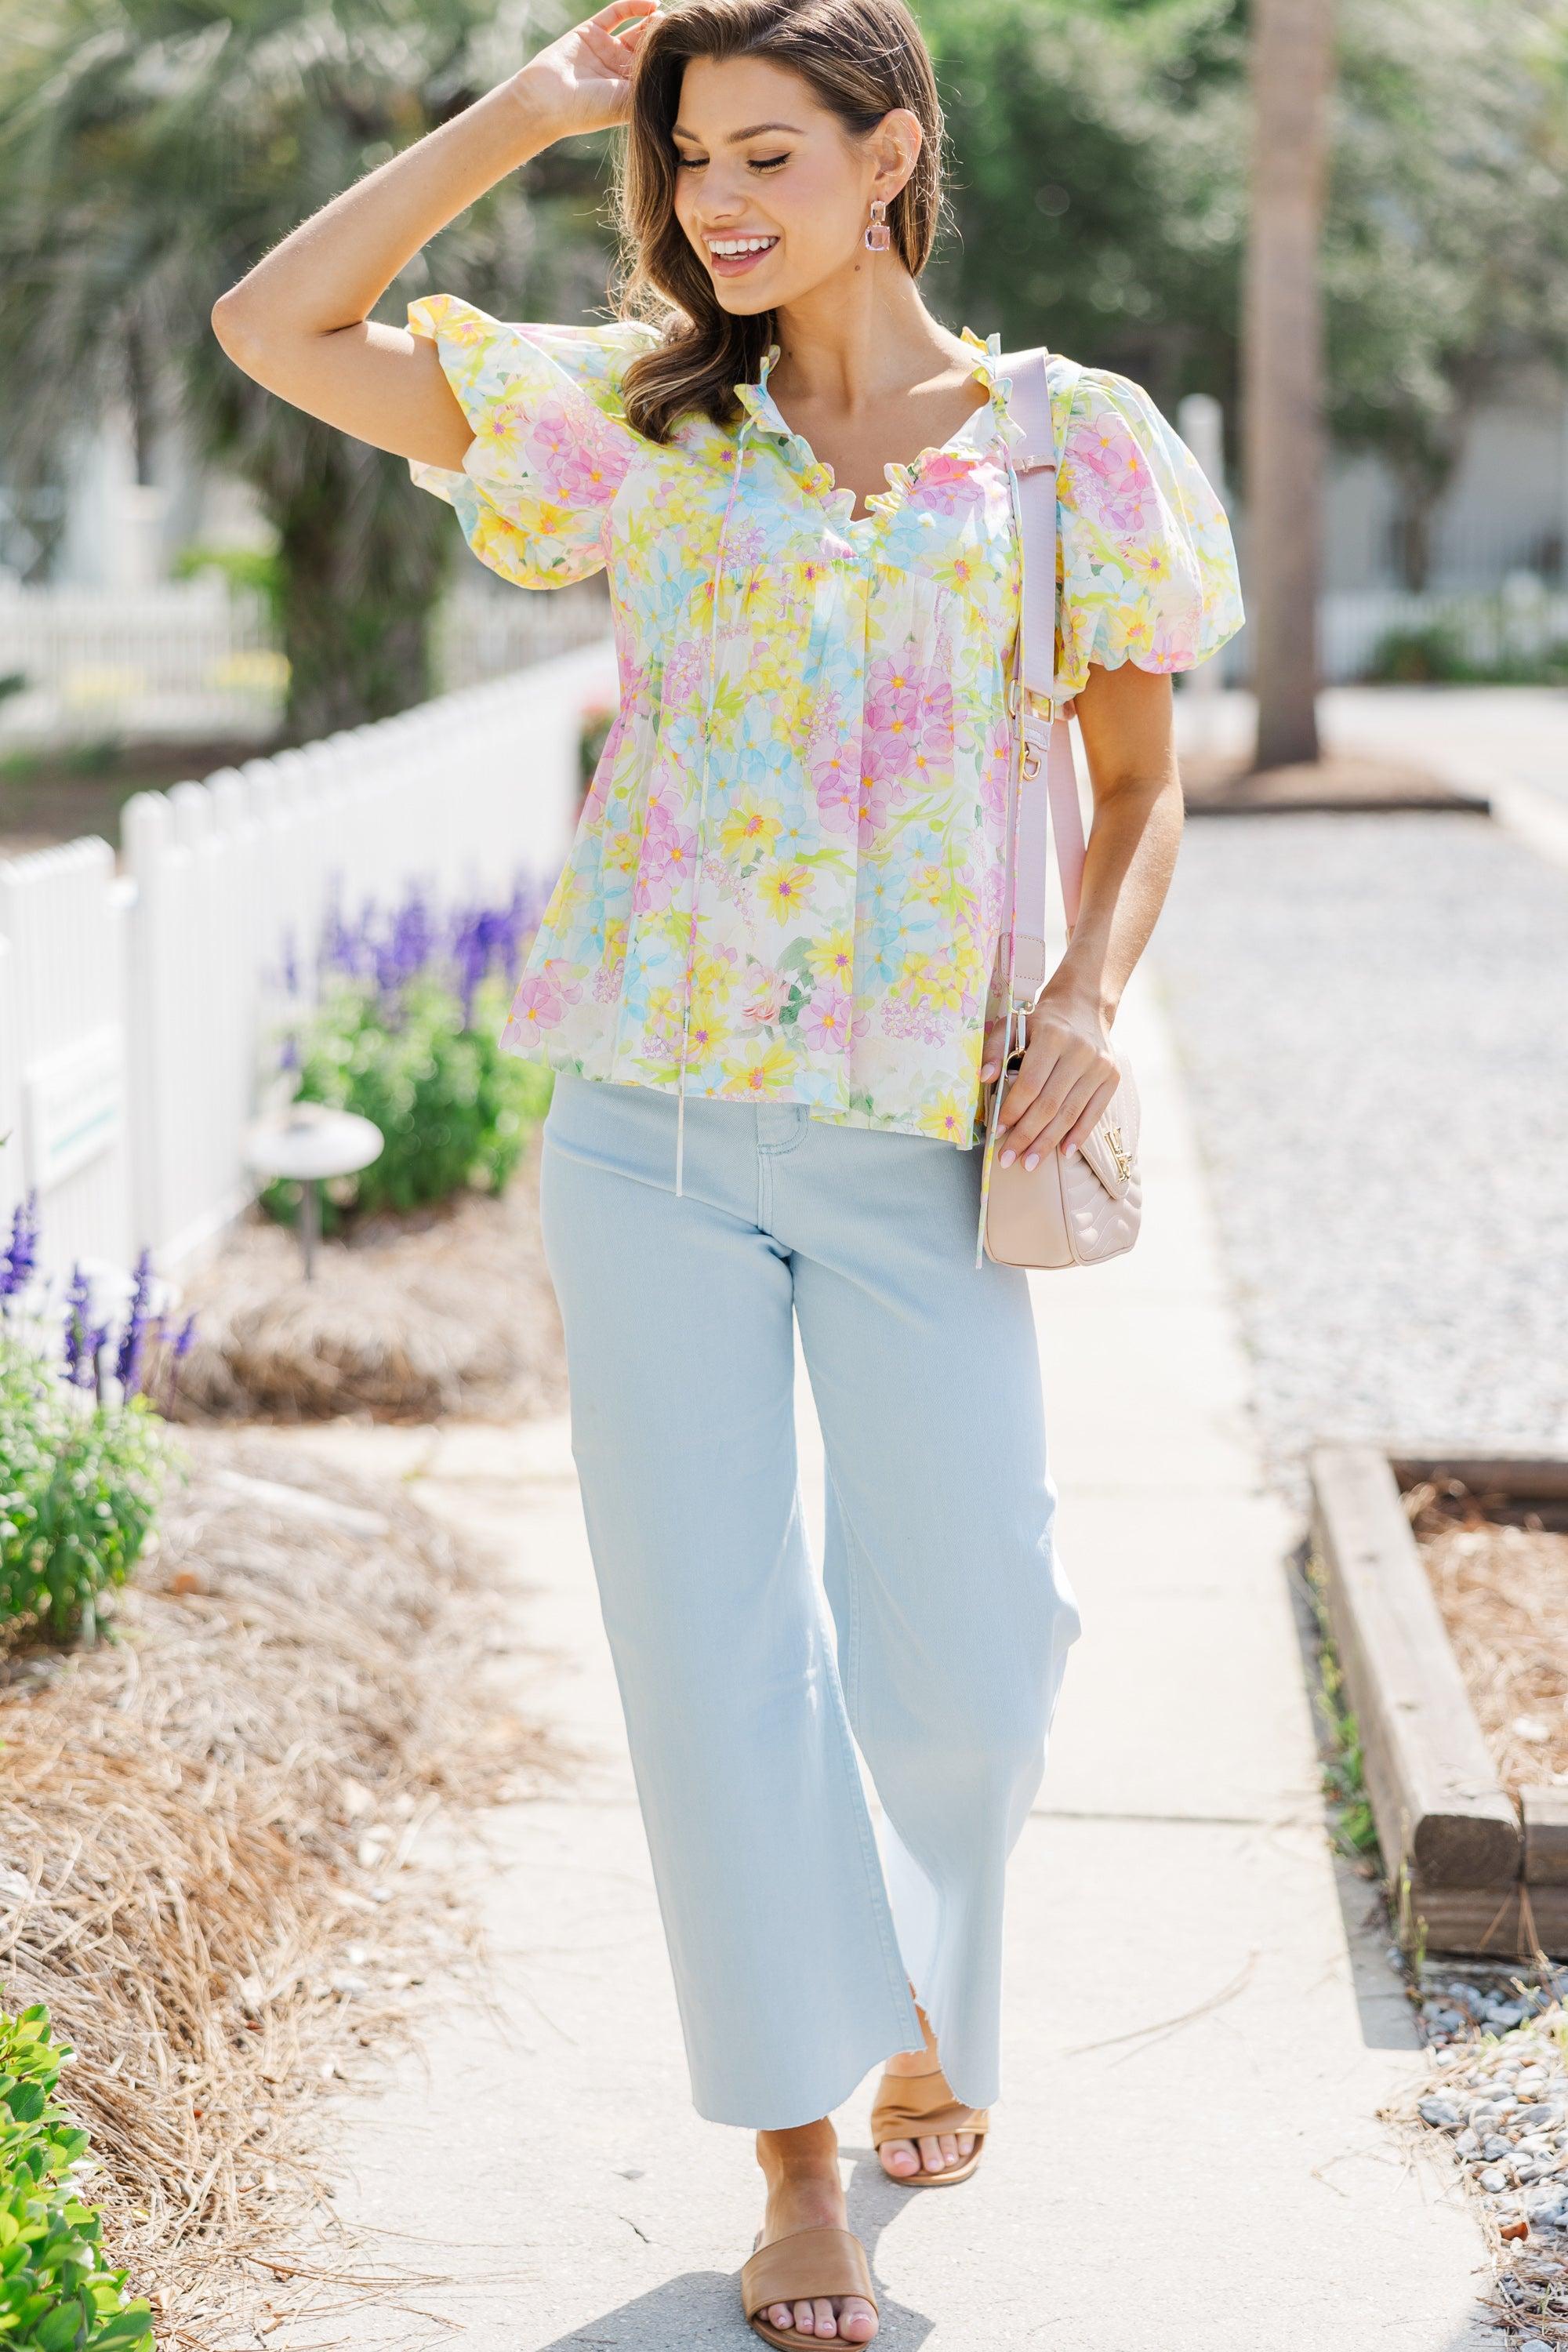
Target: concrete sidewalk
<point x="1201" y="2020"/>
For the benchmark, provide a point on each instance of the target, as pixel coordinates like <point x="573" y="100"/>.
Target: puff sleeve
<point x="1148" y="565"/>
<point x="551" y="445"/>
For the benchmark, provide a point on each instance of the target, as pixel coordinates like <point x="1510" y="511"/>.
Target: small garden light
<point x="308" y="1142"/>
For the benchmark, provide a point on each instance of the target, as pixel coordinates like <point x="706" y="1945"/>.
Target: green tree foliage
<point x="1100" y="159"/>
<point x="1098" y="197"/>
<point x="151" y="152"/>
<point x="1447" y="252"/>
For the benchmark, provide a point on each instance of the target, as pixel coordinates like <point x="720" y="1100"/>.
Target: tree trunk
<point x="1291" y="72"/>
<point x="361" y="556"/>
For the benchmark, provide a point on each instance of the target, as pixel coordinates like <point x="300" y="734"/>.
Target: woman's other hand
<point x="582" y="81"/>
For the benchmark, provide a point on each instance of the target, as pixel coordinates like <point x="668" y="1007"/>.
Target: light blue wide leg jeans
<point x="795" y="1924"/>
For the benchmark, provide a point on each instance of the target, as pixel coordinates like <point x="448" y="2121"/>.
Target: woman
<point x="763" y="981"/>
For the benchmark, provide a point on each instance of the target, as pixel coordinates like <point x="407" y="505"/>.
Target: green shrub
<point x="1434" y="654"/>
<point x="80" y="1483"/>
<point x="455" y="1110"/>
<point x="55" y="2294"/>
<point x="1431" y="655"/>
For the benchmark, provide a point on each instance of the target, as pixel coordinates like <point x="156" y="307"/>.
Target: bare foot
<point x="902" y="2158"/>
<point x="804" y="2192"/>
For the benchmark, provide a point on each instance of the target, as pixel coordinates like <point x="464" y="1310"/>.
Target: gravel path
<point x="1373" y="1017"/>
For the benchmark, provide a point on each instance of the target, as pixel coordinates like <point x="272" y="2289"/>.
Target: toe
<point x="781" y="2315"/>
<point x="949" y="2149"/>
<point x="822" y="2312"/>
<point x="965" y="2144"/>
<point x="899" y="2158"/>
<point x="804" y="2319"/>
<point x="856" y="2320"/>
<point x="930" y="2155"/>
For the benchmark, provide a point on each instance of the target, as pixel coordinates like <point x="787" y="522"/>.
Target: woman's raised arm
<point x="299" y="323"/>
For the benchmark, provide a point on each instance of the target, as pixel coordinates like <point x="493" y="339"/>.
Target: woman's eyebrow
<point x="750" y="132"/>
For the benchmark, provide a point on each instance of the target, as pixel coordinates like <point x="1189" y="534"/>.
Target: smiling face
<point x="773" y="189"/>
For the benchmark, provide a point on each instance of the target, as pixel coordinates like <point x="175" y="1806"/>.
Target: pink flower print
<point x="684" y="671"/>
<point x="667" y="861"/>
<point x="885" y="762"/>
<point x="935" y="708"/>
<point x="892" y="698"/>
<point x="768" y="991"/>
<point x="946" y="480"/>
<point x="825" y="1024"/>
<point x="837" y="787"/>
<point x="580" y="463"/>
<point x="541" y="999"/>
<point x="1113" y="485"/>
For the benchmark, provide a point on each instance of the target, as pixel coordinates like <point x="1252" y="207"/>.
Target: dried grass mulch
<point x="1502" y="1589"/>
<point x="445" y="1310"/>
<point x="203" y="1832"/>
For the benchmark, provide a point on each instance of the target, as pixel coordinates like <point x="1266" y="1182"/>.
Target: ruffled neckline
<point x="760" y="404"/>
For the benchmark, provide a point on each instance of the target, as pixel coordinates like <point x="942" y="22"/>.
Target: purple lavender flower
<point x="177" y="1354"/>
<point x="78" y="1331"/>
<point x="21" y="1252"/>
<point x="133" y="1339"/>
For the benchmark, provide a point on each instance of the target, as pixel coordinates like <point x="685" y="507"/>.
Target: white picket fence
<point x="189" y="660"/>
<point x="140" y="1011"/>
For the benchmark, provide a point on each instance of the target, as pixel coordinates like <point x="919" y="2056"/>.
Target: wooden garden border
<point x="1486" y="1876"/>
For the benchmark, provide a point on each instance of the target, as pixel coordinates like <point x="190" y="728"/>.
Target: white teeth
<point x="730" y="246"/>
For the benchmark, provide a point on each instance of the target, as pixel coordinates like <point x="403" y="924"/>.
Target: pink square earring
<point x="878" y="235"/>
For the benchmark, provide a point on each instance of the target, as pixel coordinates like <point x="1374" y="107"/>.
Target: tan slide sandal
<point x="797" y="2269"/>
<point x="922" y="2106"/>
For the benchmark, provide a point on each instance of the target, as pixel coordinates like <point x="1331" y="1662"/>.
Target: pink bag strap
<point x="1047" y="782"/>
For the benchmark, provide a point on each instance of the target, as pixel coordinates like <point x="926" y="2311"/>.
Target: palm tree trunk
<point x="361" y="556"/>
<point x="1291" y="71"/>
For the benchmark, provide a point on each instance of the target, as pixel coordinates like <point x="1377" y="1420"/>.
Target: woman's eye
<point x="768" y="163"/>
<point x="688" y="162"/>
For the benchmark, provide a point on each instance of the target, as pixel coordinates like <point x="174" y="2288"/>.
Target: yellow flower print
<point x="712" y="976"/>
<point x="785" y="890"/>
<point x="749" y="829"/>
<point x="948" y="1119"/>
<point x="832" y="958"/>
<point x="935" y="981"/>
<point x="945" y="889"/>
<point x="760" y="1068"/>
<point x="956" y="571"/>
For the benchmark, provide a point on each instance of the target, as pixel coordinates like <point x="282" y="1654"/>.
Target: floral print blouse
<point x="787" y="881"/>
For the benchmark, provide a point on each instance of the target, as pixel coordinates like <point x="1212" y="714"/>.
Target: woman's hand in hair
<point x="582" y="81"/>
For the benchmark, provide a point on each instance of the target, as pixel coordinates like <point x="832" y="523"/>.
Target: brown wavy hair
<point x="860" y="58"/>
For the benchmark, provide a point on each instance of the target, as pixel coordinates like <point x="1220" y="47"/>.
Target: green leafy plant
<point x="1436" y="653"/>
<point x="248" y="570"/>
<point x="56" y="2294"/>
<point x="79" y="1486"/>
<point x="454" y="1109"/>
<point x="1343" y="1762"/>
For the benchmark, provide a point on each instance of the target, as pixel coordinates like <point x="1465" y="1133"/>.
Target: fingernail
<point x="988" y="1070"/>
<point x="1008" y="1158"/>
<point x="1031" y="1159"/>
